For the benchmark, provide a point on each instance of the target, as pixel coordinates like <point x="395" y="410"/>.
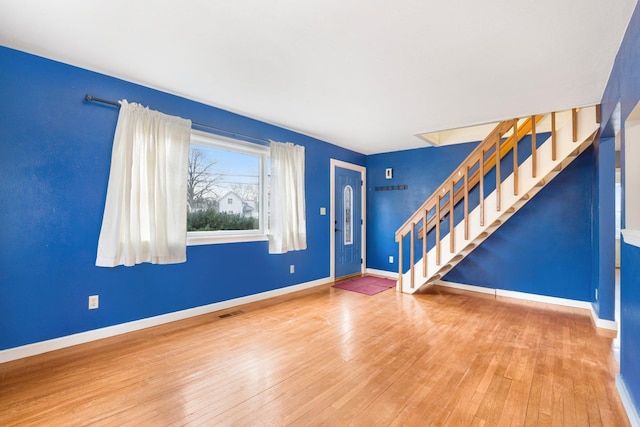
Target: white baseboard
<point x="615" y="348"/>
<point x="96" y="334"/>
<point x="545" y="299"/>
<point x="517" y="295"/>
<point x="632" y="413"/>
<point x="600" y="323"/>
<point x="603" y="323"/>
<point x="383" y="273"/>
<point x="464" y="287"/>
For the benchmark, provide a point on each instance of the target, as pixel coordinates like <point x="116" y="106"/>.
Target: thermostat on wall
<point x="389" y="173"/>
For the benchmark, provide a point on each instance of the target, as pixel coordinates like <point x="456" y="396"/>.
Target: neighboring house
<point x="232" y="203"/>
<point x="250" y="209"/>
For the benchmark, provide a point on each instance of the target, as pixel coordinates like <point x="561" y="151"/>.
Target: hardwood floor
<point x="332" y="357"/>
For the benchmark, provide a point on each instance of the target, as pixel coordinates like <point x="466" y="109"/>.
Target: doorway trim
<point x="332" y="214"/>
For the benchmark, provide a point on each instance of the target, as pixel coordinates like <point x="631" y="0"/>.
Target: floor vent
<point x="233" y="313"/>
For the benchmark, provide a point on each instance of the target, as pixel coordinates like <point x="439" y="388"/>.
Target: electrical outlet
<point x="93" y="302"/>
<point x="323" y="211"/>
<point x="390" y="259"/>
<point x="292" y="269"/>
<point x="596" y="294"/>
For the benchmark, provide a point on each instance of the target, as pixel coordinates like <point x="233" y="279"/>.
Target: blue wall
<point x="544" y="249"/>
<point x="624" y="85"/>
<point x="422" y="171"/>
<point x="55" y="153"/>
<point x="603" y="256"/>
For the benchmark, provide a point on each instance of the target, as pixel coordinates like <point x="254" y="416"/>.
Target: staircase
<point x="460" y="208"/>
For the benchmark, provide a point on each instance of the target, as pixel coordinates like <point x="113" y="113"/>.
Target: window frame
<point x="206" y="139"/>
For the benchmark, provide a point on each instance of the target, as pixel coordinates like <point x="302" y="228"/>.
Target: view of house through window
<point x="225" y="186"/>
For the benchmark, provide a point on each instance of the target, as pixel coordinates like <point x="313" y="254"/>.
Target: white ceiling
<point x="363" y="74"/>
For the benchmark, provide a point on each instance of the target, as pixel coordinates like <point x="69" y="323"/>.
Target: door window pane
<point x="348" y="215"/>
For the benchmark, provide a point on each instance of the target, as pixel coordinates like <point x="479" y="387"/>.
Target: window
<point x="226" y="190"/>
<point x="347" y="202"/>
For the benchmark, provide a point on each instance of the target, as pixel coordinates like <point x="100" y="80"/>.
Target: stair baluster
<point x="534" y="149"/>
<point x="553" y="137"/>
<point x="515" y="157"/>
<point x="424" y="242"/>
<point x="452" y="225"/>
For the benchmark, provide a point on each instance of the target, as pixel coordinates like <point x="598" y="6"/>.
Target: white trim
<point x="544" y="299"/>
<point x="332" y="213"/>
<point x="199" y="137"/>
<point x="603" y="323"/>
<point x="123" y="328"/>
<point x="389" y="274"/>
<point x="209" y="239"/>
<point x="631" y="237"/>
<point x="599" y="323"/>
<point x="615" y="348"/>
<point x="631" y="197"/>
<point x="632" y="413"/>
<point x="464" y="287"/>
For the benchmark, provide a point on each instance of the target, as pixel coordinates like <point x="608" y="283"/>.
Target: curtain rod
<point x="92" y="98"/>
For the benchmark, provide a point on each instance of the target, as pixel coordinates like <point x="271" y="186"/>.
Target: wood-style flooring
<point x="332" y="357"/>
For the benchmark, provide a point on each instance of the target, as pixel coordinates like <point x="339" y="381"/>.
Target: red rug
<point x="367" y="285"/>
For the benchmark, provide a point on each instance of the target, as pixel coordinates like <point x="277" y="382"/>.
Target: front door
<point x="348" y="222"/>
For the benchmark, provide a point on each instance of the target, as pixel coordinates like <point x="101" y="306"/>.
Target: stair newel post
<point x="481" y="166"/>
<point x="452" y="225"/>
<point x="553" y="136"/>
<point x="438" y="229"/>
<point x="466" y="202"/>
<point x="574" y="124"/>
<point x="400" y="263"/>
<point x="424" y="243"/>
<point x="515" y="157"/>
<point x="534" y="148"/>
<point x="498" y="178"/>
<point x="412" y="254"/>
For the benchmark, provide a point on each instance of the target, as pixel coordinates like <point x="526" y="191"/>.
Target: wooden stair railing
<point x="486" y="157"/>
<point x="527" y="127"/>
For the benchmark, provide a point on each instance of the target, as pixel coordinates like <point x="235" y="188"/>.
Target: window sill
<point x="631" y="237"/>
<point x="213" y="240"/>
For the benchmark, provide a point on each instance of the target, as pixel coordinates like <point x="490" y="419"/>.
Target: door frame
<point x="332" y="216"/>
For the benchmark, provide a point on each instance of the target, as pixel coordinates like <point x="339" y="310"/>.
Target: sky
<point x="234" y="167"/>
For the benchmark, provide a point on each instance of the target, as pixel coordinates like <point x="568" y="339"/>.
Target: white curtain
<point x="145" y="215"/>
<point x="287" y="221"/>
